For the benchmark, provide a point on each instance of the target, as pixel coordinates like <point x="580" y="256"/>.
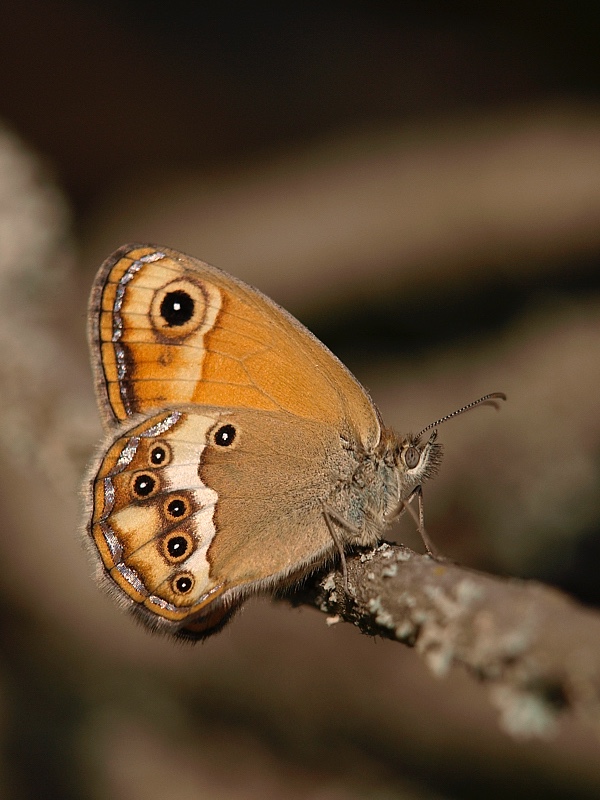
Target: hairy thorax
<point x="377" y="485"/>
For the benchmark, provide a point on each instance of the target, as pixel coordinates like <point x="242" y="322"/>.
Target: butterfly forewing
<point x="167" y="329"/>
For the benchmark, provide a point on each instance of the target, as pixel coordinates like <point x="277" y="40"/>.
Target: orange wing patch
<point x="152" y="327"/>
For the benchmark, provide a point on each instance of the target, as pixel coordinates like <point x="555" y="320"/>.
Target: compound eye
<point x="411" y="457"/>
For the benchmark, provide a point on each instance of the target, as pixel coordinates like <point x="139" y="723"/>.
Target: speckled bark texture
<point x="538" y="651"/>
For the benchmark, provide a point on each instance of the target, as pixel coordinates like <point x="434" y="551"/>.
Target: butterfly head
<point x="409" y="462"/>
<point x="417" y="459"/>
<point x="421" y="459"/>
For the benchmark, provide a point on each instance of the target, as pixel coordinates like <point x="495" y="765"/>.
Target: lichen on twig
<point x="536" y="649"/>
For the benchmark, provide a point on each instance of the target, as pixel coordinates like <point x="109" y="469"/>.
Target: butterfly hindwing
<point x="195" y="509"/>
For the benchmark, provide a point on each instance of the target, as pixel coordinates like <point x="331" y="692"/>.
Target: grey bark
<point x="537" y="650"/>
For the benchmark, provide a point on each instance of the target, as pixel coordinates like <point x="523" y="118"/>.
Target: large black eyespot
<point x="177" y="546"/>
<point x="159" y="456"/>
<point x="182" y="583"/>
<point x="177" y="507"/>
<point x="225" y="435"/>
<point x="177" y="308"/>
<point x="143" y="485"/>
<point x="411" y="457"/>
<point x="181" y="307"/>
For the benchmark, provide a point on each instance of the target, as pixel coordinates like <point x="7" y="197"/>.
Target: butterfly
<point x="240" y="455"/>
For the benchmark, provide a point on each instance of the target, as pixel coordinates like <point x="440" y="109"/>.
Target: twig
<point x="536" y="649"/>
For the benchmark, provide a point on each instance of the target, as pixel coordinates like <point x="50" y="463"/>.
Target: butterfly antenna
<point x="487" y="399"/>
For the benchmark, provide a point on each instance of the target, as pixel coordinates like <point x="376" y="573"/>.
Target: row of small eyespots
<point x="177" y="546"/>
<point x="144" y="485"/>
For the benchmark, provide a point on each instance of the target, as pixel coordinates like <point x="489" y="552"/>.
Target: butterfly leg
<point x="419" y="521"/>
<point x="330" y="515"/>
<point x="429" y="545"/>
